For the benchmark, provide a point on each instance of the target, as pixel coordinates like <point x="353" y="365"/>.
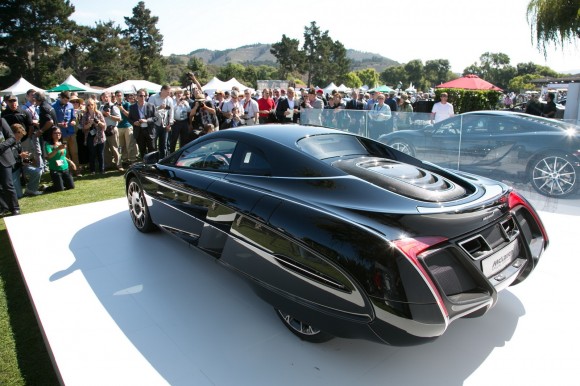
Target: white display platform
<point x="119" y="307"/>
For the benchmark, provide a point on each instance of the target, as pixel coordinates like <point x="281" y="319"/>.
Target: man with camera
<point x="163" y="118"/>
<point x="112" y="116"/>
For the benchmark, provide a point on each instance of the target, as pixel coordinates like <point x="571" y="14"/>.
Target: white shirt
<point x="442" y="111"/>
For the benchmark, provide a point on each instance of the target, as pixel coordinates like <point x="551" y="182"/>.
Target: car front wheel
<point x="138" y="207"/>
<point x="553" y="176"/>
<point x="303" y="330"/>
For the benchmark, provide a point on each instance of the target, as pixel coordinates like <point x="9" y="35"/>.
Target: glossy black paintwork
<point x="313" y="240"/>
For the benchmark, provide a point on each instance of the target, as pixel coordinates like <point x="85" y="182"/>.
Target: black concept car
<point x="520" y="147"/>
<point x="342" y="235"/>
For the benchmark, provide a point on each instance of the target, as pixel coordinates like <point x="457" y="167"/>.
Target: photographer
<point x="112" y="116"/>
<point x="57" y="162"/>
<point x="202" y="113"/>
<point x="93" y="124"/>
<point x="24" y="165"/>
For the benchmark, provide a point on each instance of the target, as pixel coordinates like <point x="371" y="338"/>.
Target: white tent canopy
<point x="131" y="86"/>
<point x="213" y="85"/>
<point x="71" y="80"/>
<point x="230" y="84"/>
<point x="343" y="88"/>
<point x="20" y="87"/>
<point x="328" y="89"/>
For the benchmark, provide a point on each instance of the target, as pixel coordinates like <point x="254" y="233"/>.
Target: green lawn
<point x="24" y="359"/>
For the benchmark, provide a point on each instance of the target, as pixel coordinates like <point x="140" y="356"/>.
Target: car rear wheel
<point x="403" y="147"/>
<point x="138" y="207"/>
<point x="553" y="176"/>
<point x="303" y="330"/>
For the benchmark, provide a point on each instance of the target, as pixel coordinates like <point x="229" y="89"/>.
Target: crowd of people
<point x="74" y="136"/>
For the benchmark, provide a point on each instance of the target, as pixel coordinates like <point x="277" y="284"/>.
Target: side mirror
<point x="151" y="158"/>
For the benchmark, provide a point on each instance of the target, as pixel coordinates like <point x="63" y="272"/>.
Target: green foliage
<point x="369" y="76"/>
<point x="290" y="58"/>
<point x="470" y="100"/>
<point x="31" y="32"/>
<point x="523" y="83"/>
<point x="147" y="41"/>
<point x="352" y="80"/>
<point x="494" y="68"/>
<point x="554" y="22"/>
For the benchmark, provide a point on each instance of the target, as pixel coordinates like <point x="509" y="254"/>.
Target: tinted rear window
<point x="331" y="145"/>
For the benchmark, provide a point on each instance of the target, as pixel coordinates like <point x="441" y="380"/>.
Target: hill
<point x="259" y="54"/>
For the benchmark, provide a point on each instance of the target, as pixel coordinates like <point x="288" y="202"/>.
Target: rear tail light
<point x="515" y="200"/>
<point x="412" y="248"/>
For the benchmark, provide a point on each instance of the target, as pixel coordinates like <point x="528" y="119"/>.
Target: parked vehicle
<point x="544" y="152"/>
<point x="342" y="235"/>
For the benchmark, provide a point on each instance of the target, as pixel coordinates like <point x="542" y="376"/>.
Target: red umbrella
<point x="470" y="82"/>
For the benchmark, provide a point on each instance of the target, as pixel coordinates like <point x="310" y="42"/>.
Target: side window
<point x="210" y="155"/>
<point x="251" y="160"/>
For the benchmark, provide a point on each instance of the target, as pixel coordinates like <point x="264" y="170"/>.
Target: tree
<point x="232" y="70"/>
<point x="32" y="33"/>
<point x="369" y="76"/>
<point x="436" y="72"/>
<point x="415" y="73"/>
<point x="393" y="75"/>
<point x="147" y="41"/>
<point x="554" y="21"/>
<point x="290" y="58"/>
<point x="110" y="55"/>
<point x="494" y="67"/>
<point x="352" y="80"/>
<point x="326" y="59"/>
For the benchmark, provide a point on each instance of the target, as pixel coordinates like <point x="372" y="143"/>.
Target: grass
<point x="24" y="358"/>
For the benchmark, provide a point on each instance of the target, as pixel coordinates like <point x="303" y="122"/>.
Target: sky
<point x="457" y="30"/>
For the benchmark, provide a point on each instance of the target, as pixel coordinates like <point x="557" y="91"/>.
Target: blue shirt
<point x="65" y="113"/>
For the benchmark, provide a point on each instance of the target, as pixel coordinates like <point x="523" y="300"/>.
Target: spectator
<point x="112" y="116"/>
<point x="266" y="107"/>
<point x="378" y="117"/>
<point x="127" y="142"/>
<point x="405" y="112"/>
<point x="24" y="166"/>
<point x="46" y="115"/>
<point x="9" y="205"/>
<point x="180" y="128"/>
<point x="202" y="113"/>
<point x="58" y="164"/>
<point x="550" y="108"/>
<point x="288" y="109"/>
<point x="66" y="120"/>
<point x="82" y="155"/>
<point x="93" y="124"/>
<point x="250" y="109"/>
<point x="142" y="116"/>
<point x="442" y="109"/>
<point x="163" y="104"/>
<point x="534" y="107"/>
<point x="312" y="109"/>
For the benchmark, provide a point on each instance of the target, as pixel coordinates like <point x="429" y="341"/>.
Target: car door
<point x="181" y="193"/>
<point x="485" y="144"/>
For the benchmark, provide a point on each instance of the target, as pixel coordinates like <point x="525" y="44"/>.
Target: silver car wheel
<point x="138" y="207"/>
<point x="403" y="147"/>
<point x="554" y="176"/>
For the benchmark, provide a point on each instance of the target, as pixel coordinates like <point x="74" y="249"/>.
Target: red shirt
<point x="265" y="104"/>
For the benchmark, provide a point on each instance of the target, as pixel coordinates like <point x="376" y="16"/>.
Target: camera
<point x="106" y="108"/>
